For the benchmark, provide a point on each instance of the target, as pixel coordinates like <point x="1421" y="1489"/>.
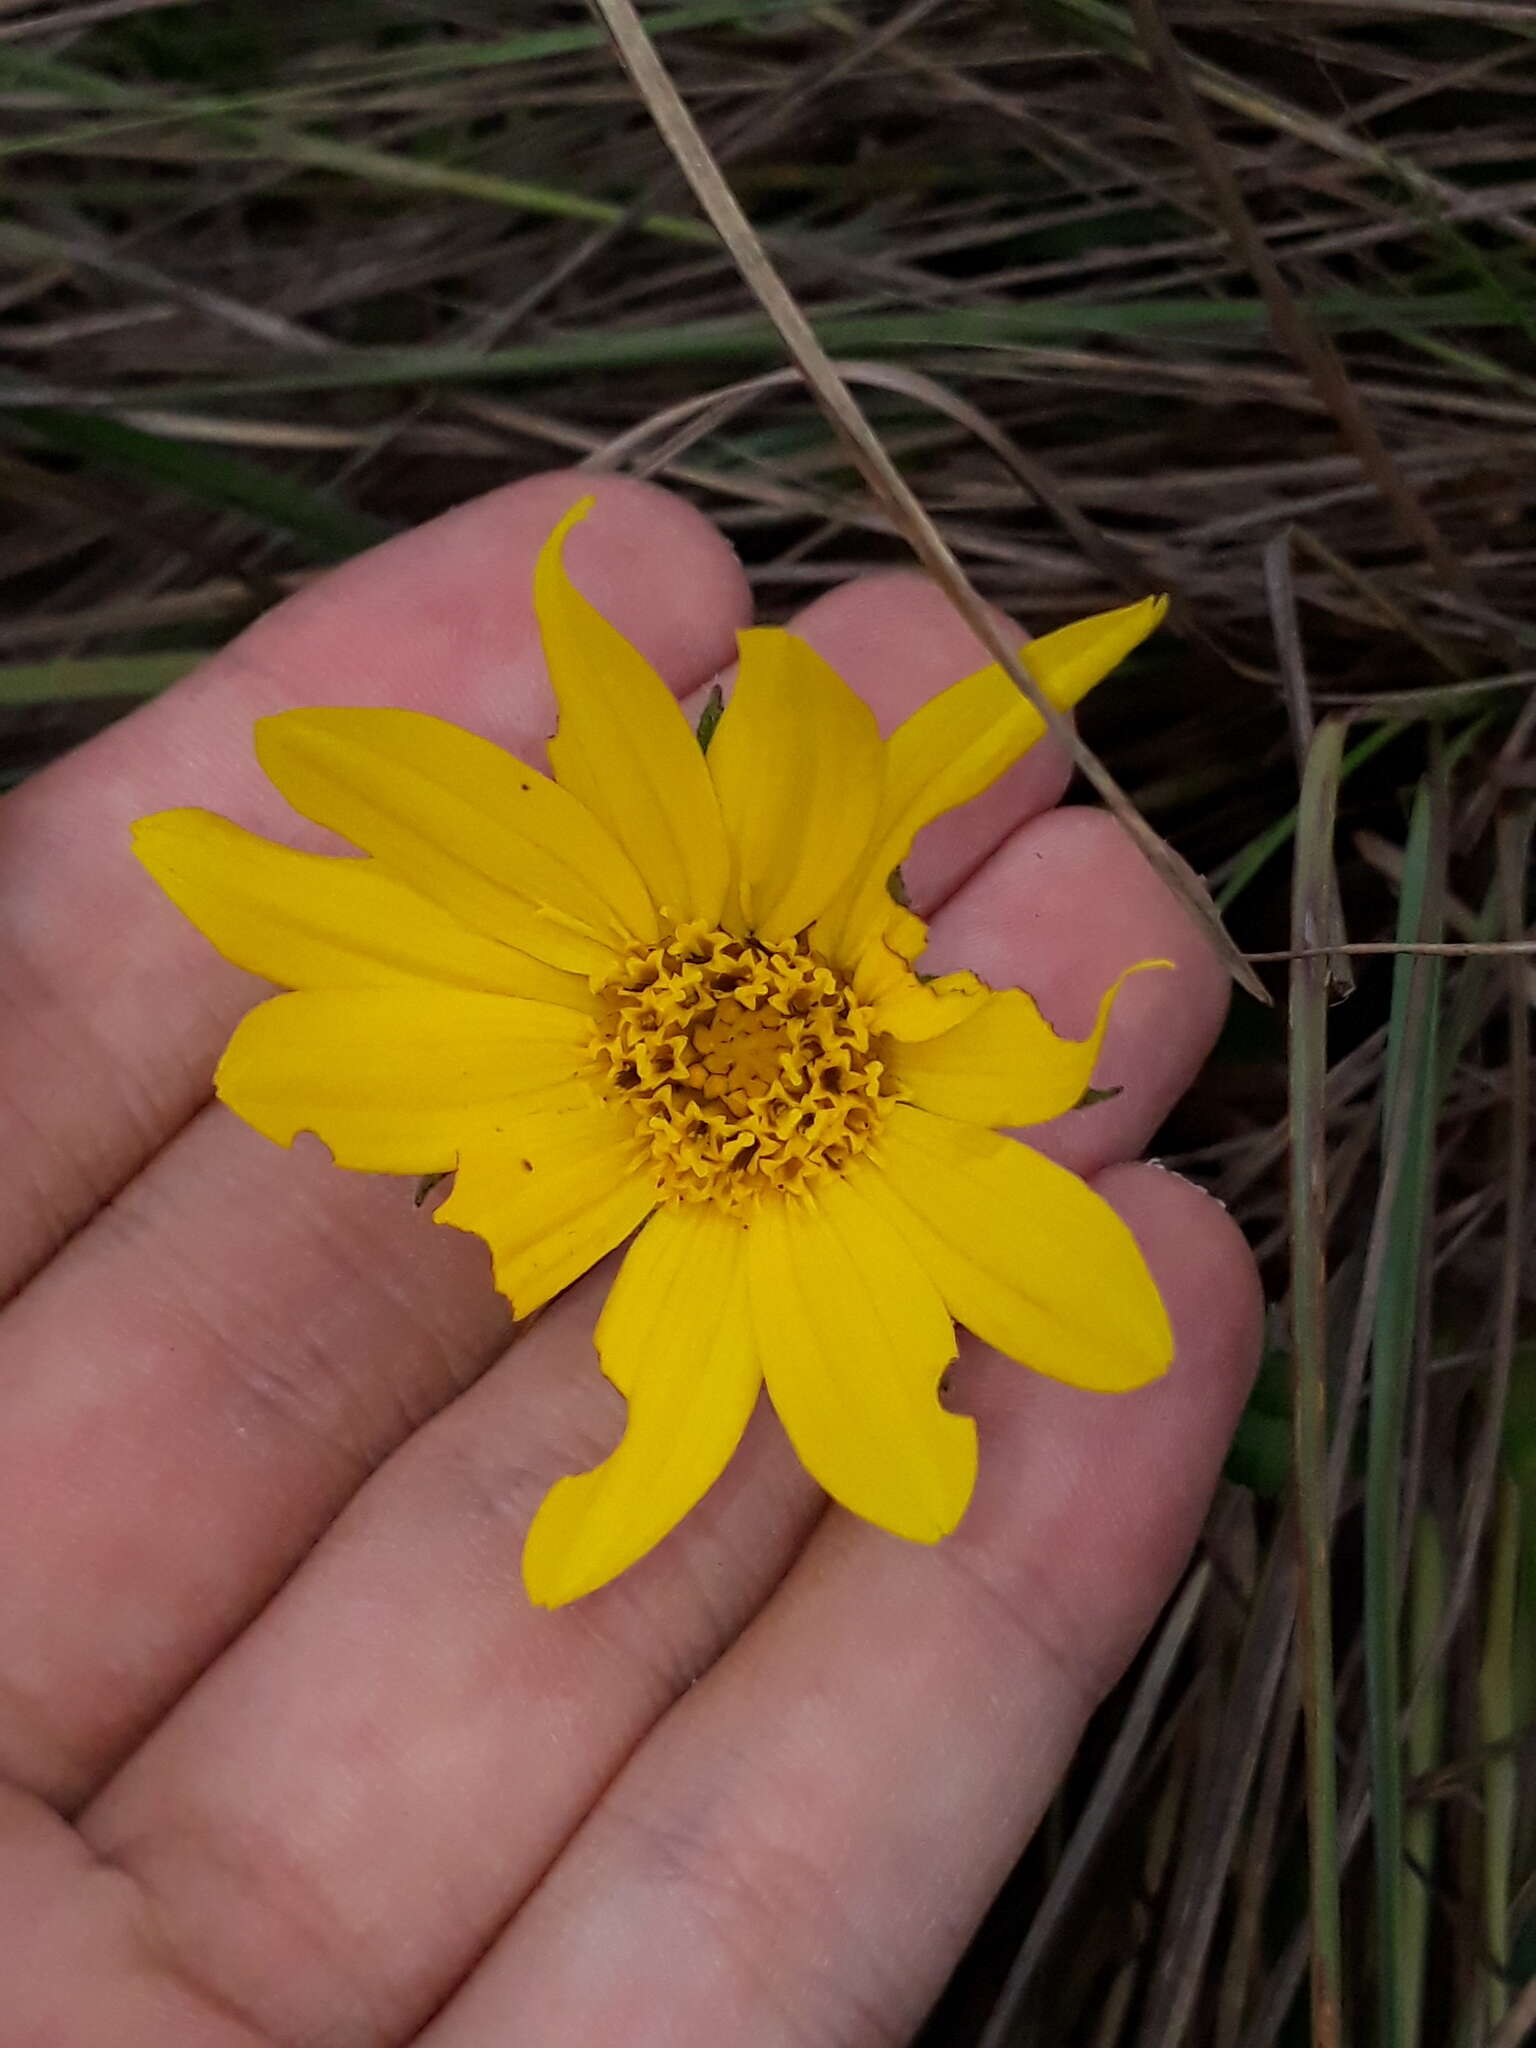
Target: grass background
<point x="1228" y="297"/>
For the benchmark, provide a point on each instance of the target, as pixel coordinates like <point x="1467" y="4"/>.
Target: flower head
<point x="670" y="993"/>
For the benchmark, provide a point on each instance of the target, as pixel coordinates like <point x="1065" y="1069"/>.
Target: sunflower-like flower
<point x="670" y="992"/>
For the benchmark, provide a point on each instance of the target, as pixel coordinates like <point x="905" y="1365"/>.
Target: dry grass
<point x="1214" y="295"/>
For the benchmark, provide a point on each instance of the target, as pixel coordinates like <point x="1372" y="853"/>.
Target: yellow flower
<point x="672" y="990"/>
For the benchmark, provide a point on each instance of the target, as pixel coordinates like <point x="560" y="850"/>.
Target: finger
<point x="439" y="1635"/>
<point x="196" y="1384"/>
<point x="187" y="1396"/>
<point x="117" y="1007"/>
<point x="1060" y="910"/>
<point x="335" y="1821"/>
<point x="803" y="1847"/>
<point x="80" y="1965"/>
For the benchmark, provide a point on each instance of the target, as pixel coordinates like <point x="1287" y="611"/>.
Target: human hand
<point x="759" y="1789"/>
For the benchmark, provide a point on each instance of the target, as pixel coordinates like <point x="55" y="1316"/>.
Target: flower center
<point x="749" y="1068"/>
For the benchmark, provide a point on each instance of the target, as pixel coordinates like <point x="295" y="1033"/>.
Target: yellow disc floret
<point x="750" y="1068"/>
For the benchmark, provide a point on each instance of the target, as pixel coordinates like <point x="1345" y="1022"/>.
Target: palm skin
<point x="289" y="1757"/>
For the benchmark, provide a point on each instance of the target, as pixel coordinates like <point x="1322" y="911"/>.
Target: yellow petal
<point x="394" y="1079"/>
<point x="1003" y="1064"/>
<point x="494" y="842"/>
<point x="1067" y="663"/>
<point x="959" y="743"/>
<point x="675" y="1337"/>
<point x="914" y="1009"/>
<point x="309" y="920"/>
<point x="551" y="1188"/>
<point x="624" y="747"/>
<point x="854" y="1338"/>
<point x="1023" y="1252"/>
<point x="797" y="762"/>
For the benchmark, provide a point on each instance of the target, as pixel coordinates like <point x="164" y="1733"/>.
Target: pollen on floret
<point x="750" y="1068"/>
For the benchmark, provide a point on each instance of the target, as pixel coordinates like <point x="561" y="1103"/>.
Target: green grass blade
<point x="534" y="45"/>
<point x="414" y="64"/>
<point x="422" y="174"/>
<point x="1308" y="1073"/>
<point x="1498" y="1729"/>
<point x="1409" y="1110"/>
<point x="847" y="332"/>
<point x="104" y="675"/>
<point x="328" y="531"/>
<point x="235" y="121"/>
<point x="1505" y="1704"/>
<point x="1426" y="1727"/>
<point x="1261" y="849"/>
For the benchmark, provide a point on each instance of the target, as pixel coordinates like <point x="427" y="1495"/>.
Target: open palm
<point x="289" y="1756"/>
